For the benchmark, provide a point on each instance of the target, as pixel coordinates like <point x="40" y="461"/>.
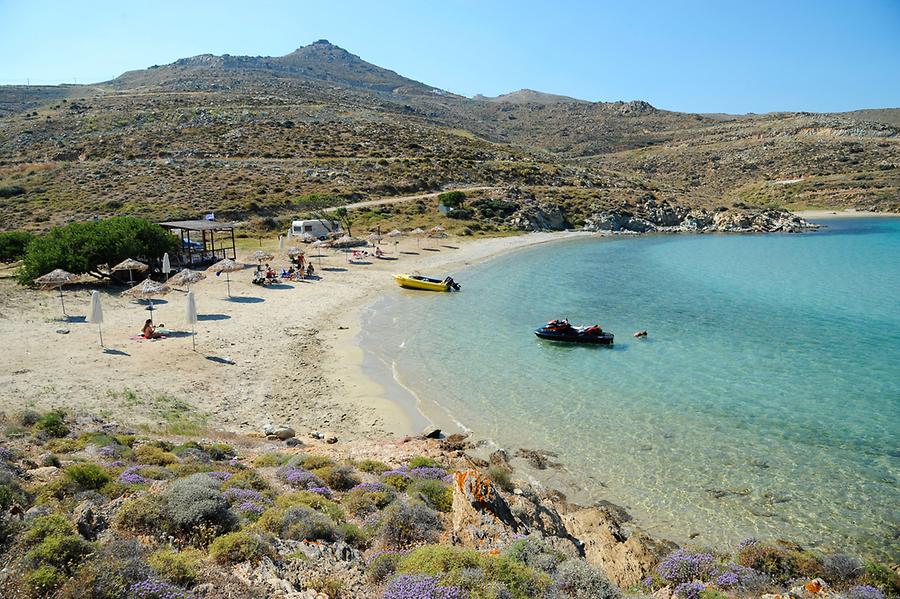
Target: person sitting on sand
<point x="310" y="271"/>
<point x="149" y="331"/>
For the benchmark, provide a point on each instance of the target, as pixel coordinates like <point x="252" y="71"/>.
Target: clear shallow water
<point x="765" y="402"/>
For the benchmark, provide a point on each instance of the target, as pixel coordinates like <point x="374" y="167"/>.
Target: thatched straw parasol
<point x="260" y="256"/>
<point x="294" y="251"/>
<point x="374" y="238"/>
<point x="320" y="245"/>
<point x="227" y="266"/>
<point x="418" y="232"/>
<point x="185" y="278"/>
<point x="147" y="290"/>
<point x="437" y="229"/>
<point x="55" y="279"/>
<point x="131" y="266"/>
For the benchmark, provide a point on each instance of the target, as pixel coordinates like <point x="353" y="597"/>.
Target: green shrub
<point x="312" y="462"/>
<point x="339" y="478"/>
<point x="434" y="493"/>
<point x="383" y="566"/>
<point x="141" y="514"/>
<point x="149" y="454"/>
<point x="45" y="526"/>
<point x="44" y="580"/>
<point x="96" y="438"/>
<point x="331" y="586"/>
<point x="196" y="509"/>
<point x="248" y="479"/>
<point x="269" y="460"/>
<point x="10" y="492"/>
<point x="64" y="445"/>
<point x="109" y="573"/>
<point x="241" y="546"/>
<point x="373" y="466"/>
<point x="882" y="577"/>
<point x="8" y="191"/>
<point x="87" y="476"/>
<point x="51" y="459"/>
<point x="406" y="523"/>
<point x="501" y="477"/>
<point x="9" y="528"/>
<point x="53" y="423"/>
<point x="779" y="563"/>
<point x="421" y="461"/>
<point x="13" y="244"/>
<point x="27" y="417"/>
<point x="397" y="481"/>
<point x="305" y="524"/>
<point x="219" y="451"/>
<point x="452" y="199"/>
<point x="577" y="578"/>
<point x="534" y="553"/>
<point x="709" y="593"/>
<point x="313" y="501"/>
<point x="177" y="567"/>
<point x="354" y="535"/>
<point x="363" y="501"/>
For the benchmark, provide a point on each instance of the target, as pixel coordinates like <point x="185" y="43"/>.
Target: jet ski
<point x="561" y="330"/>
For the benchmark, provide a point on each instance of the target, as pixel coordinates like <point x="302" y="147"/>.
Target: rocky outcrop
<point x="626" y="553"/>
<point x="534" y="215"/>
<point x="648" y="215"/>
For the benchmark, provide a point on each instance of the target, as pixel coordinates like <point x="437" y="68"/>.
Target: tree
<point x="452" y="199"/>
<point x="83" y="247"/>
<point x="345" y="218"/>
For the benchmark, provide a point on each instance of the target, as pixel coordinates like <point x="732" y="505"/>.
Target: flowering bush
<point x="689" y="590"/>
<point x="222" y="476"/>
<point x="299" y="478"/>
<point x="864" y="592"/>
<point x="577" y="578"/>
<point x="157" y="589"/>
<point x="131" y="477"/>
<point x="733" y="575"/>
<point x="398" y="478"/>
<point x="683" y="566"/>
<point x="382" y="565"/>
<point x="339" y="478"/>
<point x="433" y="492"/>
<point x="428" y="473"/>
<point x="324" y="491"/>
<point x="407" y="586"/>
<point x="405" y="524"/>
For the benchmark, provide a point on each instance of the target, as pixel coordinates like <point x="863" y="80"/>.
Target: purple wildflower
<point x="682" y="566"/>
<point x="648" y="582"/>
<point x="115" y="464"/>
<point x="5" y="454"/>
<point x="108" y="451"/>
<point x="157" y="589"/>
<point x="300" y="478"/>
<point x="428" y="473"/>
<point x="689" y="590"/>
<point x="864" y="592"/>
<point x="223" y="476"/>
<point x="320" y="490"/>
<point x="131" y="477"/>
<point x="733" y="575"/>
<point x="372" y="488"/>
<point x="406" y="586"/>
<point x="250" y="506"/>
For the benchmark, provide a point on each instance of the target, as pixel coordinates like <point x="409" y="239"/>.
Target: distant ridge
<point x="319" y="61"/>
<point x="530" y="96"/>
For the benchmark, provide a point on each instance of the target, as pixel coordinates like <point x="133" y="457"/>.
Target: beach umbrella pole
<point x="100" y="330"/>
<point x="193" y="337"/>
<point x="62" y="303"/>
<point x="228" y="283"/>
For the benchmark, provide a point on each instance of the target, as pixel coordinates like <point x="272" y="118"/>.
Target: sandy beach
<point x="850" y="213"/>
<point x="285" y="354"/>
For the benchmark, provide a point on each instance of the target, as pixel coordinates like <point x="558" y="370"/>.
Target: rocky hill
<point x="274" y="136"/>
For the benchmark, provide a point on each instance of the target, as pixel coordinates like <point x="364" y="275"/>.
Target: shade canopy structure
<point x="202" y="241"/>
<point x="227" y="266"/>
<point x="55" y="279"/>
<point x="96" y="315"/>
<point x="147" y="290"/>
<point x="130" y="265"/>
<point x="185" y="278"/>
<point x="260" y="256"/>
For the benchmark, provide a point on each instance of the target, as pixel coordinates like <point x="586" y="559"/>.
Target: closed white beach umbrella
<point x="166" y="265"/>
<point x="281" y="242"/>
<point x="191" y="316"/>
<point x="96" y="315"/>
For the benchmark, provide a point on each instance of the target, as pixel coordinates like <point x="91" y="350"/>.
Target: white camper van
<point x="317" y="228"/>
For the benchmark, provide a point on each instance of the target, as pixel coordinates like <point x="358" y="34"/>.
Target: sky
<point x="714" y="56"/>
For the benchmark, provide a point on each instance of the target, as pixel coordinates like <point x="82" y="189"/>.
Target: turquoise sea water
<point x="765" y="401"/>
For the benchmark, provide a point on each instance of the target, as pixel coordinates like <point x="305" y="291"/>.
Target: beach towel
<point x="140" y="337"/>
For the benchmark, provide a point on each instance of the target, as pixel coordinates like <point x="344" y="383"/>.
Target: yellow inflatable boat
<point x="426" y="283"/>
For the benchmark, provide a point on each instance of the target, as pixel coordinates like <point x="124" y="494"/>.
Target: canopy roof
<point x="197" y="225"/>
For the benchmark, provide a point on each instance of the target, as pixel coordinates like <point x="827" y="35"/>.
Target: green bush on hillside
<point x="83" y="247"/>
<point x="452" y="199"/>
<point x="13" y="244"/>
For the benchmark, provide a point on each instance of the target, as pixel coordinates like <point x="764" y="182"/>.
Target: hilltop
<point x="272" y="137"/>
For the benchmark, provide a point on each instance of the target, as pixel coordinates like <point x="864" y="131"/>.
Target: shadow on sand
<point x="410" y="253"/>
<point x="219" y="360"/>
<point x="115" y="352"/>
<point x="212" y="317"/>
<point x="334" y="269"/>
<point x="245" y="300"/>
